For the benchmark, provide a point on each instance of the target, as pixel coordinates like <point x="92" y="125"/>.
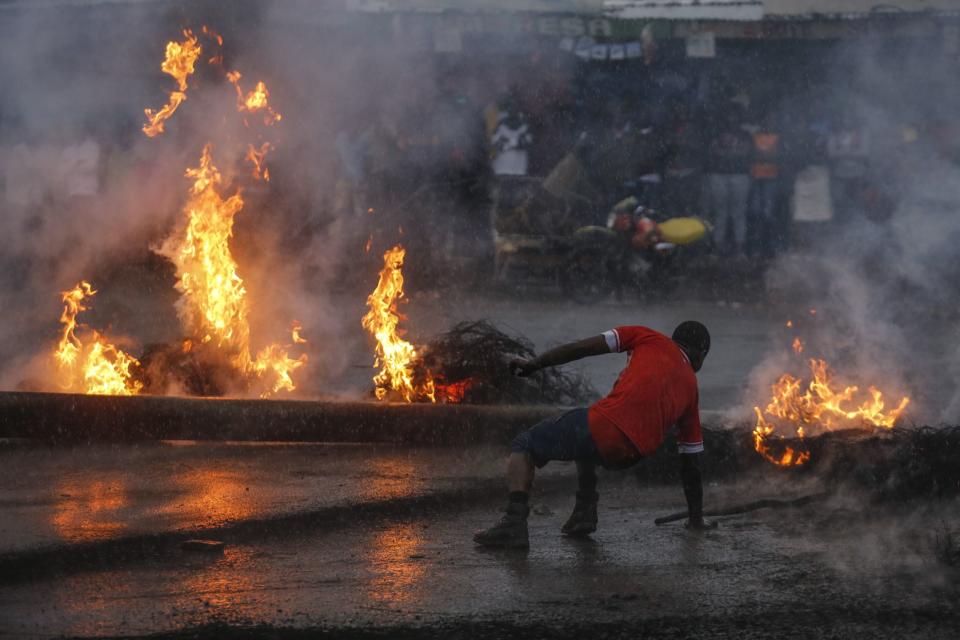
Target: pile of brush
<point x="187" y="368"/>
<point x="901" y="464"/>
<point x="471" y="364"/>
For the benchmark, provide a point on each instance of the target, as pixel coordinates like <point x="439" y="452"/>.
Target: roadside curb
<point x="62" y="418"/>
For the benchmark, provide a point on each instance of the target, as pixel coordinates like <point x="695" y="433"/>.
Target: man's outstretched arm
<point x="595" y="346"/>
<point x="693" y="490"/>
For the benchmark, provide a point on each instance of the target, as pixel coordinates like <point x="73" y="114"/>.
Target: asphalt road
<point x="360" y="541"/>
<point x="826" y="570"/>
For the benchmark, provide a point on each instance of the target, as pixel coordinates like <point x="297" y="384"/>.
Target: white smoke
<point x="884" y="291"/>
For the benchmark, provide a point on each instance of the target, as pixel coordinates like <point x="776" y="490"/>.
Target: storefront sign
<point x="702" y="45"/>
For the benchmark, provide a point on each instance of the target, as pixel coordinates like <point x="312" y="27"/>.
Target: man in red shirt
<point x="657" y="389"/>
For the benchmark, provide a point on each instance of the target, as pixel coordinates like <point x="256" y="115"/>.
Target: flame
<point x="214" y="306"/>
<point x="254" y="101"/>
<point x="210" y="33"/>
<point x="394" y="355"/>
<point x="274" y="358"/>
<point x="797" y="346"/>
<point x="97" y="367"/>
<point x="179" y="62"/>
<point x="295" y="330"/>
<point x="257" y="157"/>
<point x="453" y="392"/>
<point x="820" y="404"/>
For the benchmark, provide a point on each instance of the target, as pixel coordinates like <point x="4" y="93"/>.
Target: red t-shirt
<point x="657" y="389"/>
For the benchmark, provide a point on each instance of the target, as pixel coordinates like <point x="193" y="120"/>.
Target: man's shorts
<point x="565" y="437"/>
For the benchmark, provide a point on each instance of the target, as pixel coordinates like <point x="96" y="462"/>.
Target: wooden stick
<point x="768" y="503"/>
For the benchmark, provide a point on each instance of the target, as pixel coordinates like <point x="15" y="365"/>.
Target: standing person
<point x="510" y="141"/>
<point x="848" y="149"/>
<point x="765" y="174"/>
<point x="728" y="182"/>
<point x="683" y="174"/>
<point x="657" y="389"/>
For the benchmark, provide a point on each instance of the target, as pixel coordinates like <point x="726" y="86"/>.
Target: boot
<point x="510" y="532"/>
<point x="583" y="520"/>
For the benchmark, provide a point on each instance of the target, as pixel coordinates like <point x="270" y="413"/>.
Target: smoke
<point x="882" y="280"/>
<point x="80" y="77"/>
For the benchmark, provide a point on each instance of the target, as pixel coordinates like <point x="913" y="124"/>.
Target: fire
<point x="295" y="330"/>
<point x="454" y="392"/>
<point x="797" y="346"/>
<point x="180" y="60"/>
<point x="821" y="404"/>
<point x="394" y="356"/>
<point x="214" y="306"/>
<point x="257" y="158"/>
<point x="254" y="101"/>
<point x="96" y="367"/>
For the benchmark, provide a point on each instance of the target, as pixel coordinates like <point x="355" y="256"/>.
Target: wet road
<point x="354" y="540"/>
<point x="57" y="496"/>
<point x="419" y="570"/>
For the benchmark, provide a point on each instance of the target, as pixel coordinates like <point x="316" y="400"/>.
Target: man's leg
<point x="583" y="520"/>
<point x="520" y="471"/>
<point x="552" y="439"/>
<point x="739" y="189"/>
<point x="720" y="202"/>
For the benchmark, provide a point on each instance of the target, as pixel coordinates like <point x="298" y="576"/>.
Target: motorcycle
<point x="639" y="249"/>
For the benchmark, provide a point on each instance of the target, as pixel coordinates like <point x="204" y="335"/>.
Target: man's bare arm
<point x="563" y="354"/>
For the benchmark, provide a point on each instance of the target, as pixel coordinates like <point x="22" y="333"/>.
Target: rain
<point x="479" y="318"/>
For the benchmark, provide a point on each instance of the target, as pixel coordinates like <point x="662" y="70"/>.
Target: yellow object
<point x="682" y="230"/>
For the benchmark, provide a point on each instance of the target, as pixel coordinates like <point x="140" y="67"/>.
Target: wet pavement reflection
<point x="96" y="493"/>
<point x="91" y="508"/>
<point x="396" y="564"/>
<point x="423" y="567"/>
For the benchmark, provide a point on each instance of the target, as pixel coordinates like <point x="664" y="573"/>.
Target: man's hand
<point x="523" y="368"/>
<point x="699" y="524"/>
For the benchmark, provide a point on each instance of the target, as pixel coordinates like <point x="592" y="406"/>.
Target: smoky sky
<point x="882" y="289"/>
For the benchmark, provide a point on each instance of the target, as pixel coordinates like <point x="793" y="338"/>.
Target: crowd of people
<point x="752" y="173"/>
<point x="766" y="173"/>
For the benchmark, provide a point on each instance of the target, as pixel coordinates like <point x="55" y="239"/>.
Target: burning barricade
<point x="800" y="408"/>
<point x="468" y="364"/>
<point x="217" y="355"/>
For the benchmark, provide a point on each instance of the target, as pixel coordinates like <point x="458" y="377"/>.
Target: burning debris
<point x="394" y="356"/>
<point x="190" y="368"/>
<point x="94" y="365"/>
<point x="214" y="308"/>
<point x="470" y="364"/>
<point x="823" y="404"/>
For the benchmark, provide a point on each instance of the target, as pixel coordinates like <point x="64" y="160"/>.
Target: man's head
<point x="694" y="339"/>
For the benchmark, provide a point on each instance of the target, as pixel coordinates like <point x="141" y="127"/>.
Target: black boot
<point x="510" y="532"/>
<point x="583" y="520"/>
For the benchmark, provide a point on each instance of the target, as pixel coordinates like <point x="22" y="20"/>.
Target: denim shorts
<point x="564" y="437"/>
